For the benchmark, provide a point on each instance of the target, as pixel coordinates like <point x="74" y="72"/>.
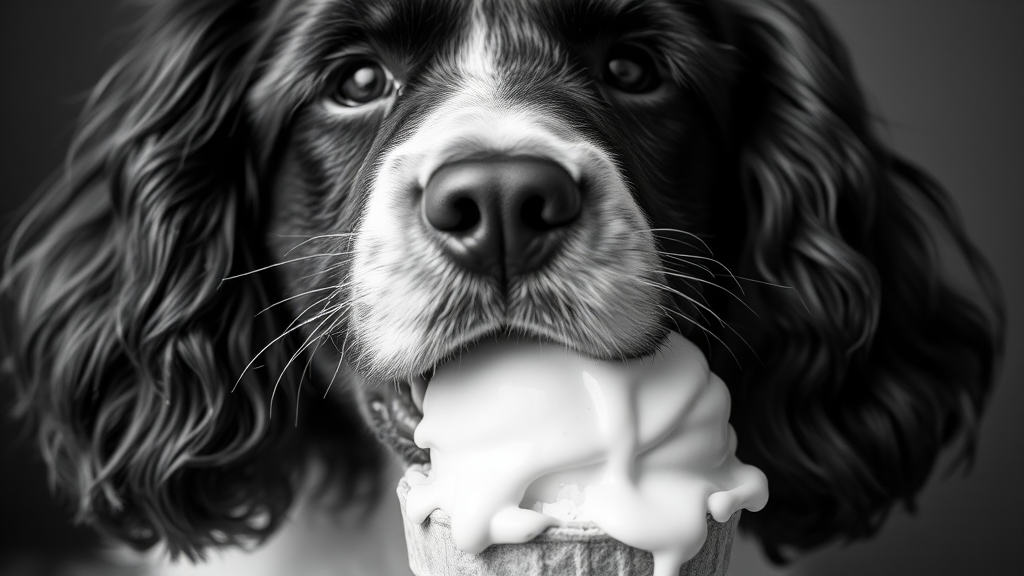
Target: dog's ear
<point x="874" y="360"/>
<point x="129" y="350"/>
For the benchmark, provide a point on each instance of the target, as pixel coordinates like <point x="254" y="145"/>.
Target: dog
<point x="280" y="215"/>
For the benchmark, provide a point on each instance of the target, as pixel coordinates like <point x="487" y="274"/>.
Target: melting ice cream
<point x="523" y="436"/>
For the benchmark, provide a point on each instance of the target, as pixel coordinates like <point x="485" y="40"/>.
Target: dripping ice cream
<point x="526" y="436"/>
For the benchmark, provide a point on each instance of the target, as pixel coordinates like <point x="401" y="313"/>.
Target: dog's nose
<point x="501" y="216"/>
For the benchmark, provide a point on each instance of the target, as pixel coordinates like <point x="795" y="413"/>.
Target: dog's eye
<point x="362" y="82"/>
<point x="631" y="69"/>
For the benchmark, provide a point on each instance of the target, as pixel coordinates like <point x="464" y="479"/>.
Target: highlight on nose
<point x="501" y="216"/>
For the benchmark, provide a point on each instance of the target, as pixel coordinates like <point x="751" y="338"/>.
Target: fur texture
<point x="207" y="251"/>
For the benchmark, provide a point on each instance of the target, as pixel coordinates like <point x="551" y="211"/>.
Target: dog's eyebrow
<point x="318" y="31"/>
<point x="682" y="32"/>
<point x="401" y="28"/>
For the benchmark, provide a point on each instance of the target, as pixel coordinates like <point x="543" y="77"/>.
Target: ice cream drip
<point x="524" y="436"/>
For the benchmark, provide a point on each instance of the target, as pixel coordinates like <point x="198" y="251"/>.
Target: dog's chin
<point x="394" y="408"/>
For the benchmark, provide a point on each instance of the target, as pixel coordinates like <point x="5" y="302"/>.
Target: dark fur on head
<point x="130" y="353"/>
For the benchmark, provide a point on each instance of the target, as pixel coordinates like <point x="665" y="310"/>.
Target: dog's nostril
<point x="451" y="204"/>
<point x="469" y="214"/>
<point x="458" y="215"/>
<point x="546" y="213"/>
<point x="532" y="214"/>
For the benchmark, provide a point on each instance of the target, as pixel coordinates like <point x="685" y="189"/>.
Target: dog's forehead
<point x="515" y="24"/>
<point x="514" y="18"/>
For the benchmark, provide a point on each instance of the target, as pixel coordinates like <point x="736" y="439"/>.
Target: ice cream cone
<point x="571" y="550"/>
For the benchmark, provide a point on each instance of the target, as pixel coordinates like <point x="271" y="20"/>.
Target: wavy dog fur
<point x="128" y="349"/>
<point x="130" y="352"/>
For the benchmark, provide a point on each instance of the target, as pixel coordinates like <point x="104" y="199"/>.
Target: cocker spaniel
<point x="270" y="199"/>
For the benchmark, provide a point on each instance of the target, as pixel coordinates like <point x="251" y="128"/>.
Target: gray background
<point x="946" y="75"/>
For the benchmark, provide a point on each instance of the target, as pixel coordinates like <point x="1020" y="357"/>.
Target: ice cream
<point x="524" y="436"/>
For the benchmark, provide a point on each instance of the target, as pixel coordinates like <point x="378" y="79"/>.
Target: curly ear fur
<point x="124" y="341"/>
<point x="878" y="361"/>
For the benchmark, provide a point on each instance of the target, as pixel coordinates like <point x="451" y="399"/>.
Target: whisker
<point x="779" y="286"/>
<point x="680" y="259"/>
<point x="325" y="300"/>
<point x="318" y="237"/>
<point x="264" y="349"/>
<point x="291" y="261"/>
<point x="298" y="396"/>
<point x="313" y="236"/>
<point x="715" y="285"/>
<point x="341" y="353"/>
<point x="765" y="282"/>
<point x="330" y="268"/>
<point x="678" y="231"/>
<point x="306" y="373"/>
<point x="679" y="329"/>
<point x="341" y="358"/>
<point x="704" y="330"/>
<point x="717" y="317"/>
<point x="306" y="344"/>
<point x="688" y="245"/>
<point x="672" y="290"/>
<point x="326" y="311"/>
<point x="707" y="332"/>
<point x="686" y="257"/>
<point x="282" y="301"/>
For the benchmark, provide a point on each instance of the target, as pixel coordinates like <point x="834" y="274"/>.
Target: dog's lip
<point x="497" y="334"/>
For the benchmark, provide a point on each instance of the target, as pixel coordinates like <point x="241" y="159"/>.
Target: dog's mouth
<point x="395" y="410"/>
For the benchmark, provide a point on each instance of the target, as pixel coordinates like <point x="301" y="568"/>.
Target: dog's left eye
<point x="362" y="82"/>
<point x="631" y="69"/>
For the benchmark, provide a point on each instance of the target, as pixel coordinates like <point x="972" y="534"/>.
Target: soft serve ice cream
<point x="524" y="436"/>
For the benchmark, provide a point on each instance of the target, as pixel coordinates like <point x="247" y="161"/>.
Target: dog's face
<point x="538" y="168"/>
<point x="469" y="168"/>
<point x="365" y="188"/>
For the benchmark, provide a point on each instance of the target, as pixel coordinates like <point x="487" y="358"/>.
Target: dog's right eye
<point x="362" y="82"/>
<point x="631" y="69"/>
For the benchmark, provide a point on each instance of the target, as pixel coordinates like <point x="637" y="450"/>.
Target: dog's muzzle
<point x="493" y="220"/>
<point x="495" y="217"/>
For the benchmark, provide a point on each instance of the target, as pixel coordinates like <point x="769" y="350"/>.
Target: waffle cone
<point x="576" y="549"/>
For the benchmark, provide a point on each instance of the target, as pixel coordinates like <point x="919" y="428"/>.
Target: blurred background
<point x="946" y="76"/>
